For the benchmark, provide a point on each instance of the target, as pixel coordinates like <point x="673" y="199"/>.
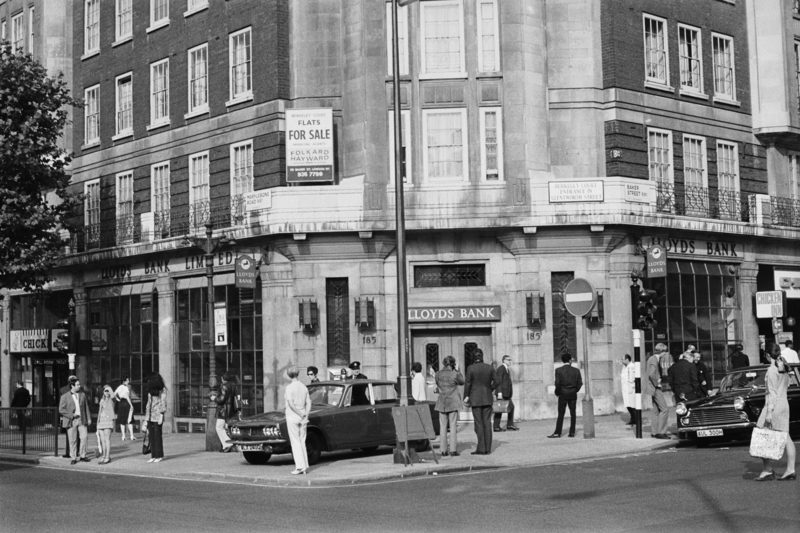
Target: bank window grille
<point x="338" y="321"/>
<point x="450" y="276"/>
<point x="432" y="356"/>
<point x="469" y="353"/>
<point x="564" y="329"/>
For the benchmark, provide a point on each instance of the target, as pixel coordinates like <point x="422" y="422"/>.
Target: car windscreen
<point x="384" y="393"/>
<point x="745" y="379"/>
<point x="326" y="394"/>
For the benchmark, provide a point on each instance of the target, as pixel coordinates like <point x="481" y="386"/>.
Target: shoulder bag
<point x="767" y="443"/>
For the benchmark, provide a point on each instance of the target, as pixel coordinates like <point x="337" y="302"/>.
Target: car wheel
<point x="371" y="449"/>
<point x="313" y="448"/>
<point x="257" y="458"/>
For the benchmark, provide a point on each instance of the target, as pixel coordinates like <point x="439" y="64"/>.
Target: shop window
<point x="450" y="276"/>
<point x="338" y="321"/>
<point x="564" y="327"/>
<point x="30" y="312"/>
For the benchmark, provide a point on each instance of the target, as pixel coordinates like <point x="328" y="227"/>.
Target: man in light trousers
<point x="652" y="387"/>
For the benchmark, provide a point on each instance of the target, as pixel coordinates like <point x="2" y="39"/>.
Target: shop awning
<point x="199" y="282"/>
<point x="122" y="290"/>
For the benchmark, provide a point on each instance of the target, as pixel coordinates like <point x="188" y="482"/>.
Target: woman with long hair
<point x="775" y="414"/>
<point x="105" y="422"/>
<point x="124" y="407"/>
<point x="448" y="403"/>
<point x="154" y="415"/>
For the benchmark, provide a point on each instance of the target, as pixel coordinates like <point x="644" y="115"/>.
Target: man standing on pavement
<point x="478" y="395"/>
<point x="702" y="375"/>
<point x="568" y="383"/>
<point x="789" y="354"/>
<point x="739" y="359"/>
<point x="63" y="390"/>
<point x="504" y="389"/>
<point x="21" y="400"/>
<point x="651" y="385"/>
<point x="227" y="407"/>
<point x="74" y="410"/>
<point x="683" y="377"/>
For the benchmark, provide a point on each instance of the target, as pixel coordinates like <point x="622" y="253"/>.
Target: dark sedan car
<point x="345" y="415"/>
<point x="732" y="413"/>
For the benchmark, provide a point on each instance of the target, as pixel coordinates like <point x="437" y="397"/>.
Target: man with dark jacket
<point x="478" y="395"/>
<point x="568" y="383"/>
<point x="738" y="358"/>
<point x="21" y="399"/>
<point x="504" y="390"/>
<point x="74" y="411"/>
<point x="703" y="378"/>
<point x="683" y="378"/>
<point x="227" y="407"/>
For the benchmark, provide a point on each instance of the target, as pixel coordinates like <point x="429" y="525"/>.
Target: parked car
<point x="732" y="413"/>
<point x="345" y="415"/>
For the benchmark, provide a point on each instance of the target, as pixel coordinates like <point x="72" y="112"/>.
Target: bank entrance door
<point x="432" y="346"/>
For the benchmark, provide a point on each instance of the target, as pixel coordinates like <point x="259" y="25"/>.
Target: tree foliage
<point x="34" y="202"/>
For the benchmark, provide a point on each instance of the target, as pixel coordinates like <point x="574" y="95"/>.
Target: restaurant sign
<point x="33" y="340"/>
<point x="477" y="313"/>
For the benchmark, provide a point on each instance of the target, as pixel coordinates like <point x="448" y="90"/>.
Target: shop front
<point x="37" y="363"/>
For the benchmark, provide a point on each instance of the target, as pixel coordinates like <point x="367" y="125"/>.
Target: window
<point x="193" y="6"/>
<point x="31" y="35"/>
<point x="491" y="144"/>
<point x="728" y="180"/>
<point x="796" y="7"/>
<point x="442" y="39"/>
<point x="659" y="149"/>
<point x="159" y="187"/>
<point x="3" y="29"/>
<point x="488" y="37"/>
<point x="691" y="62"/>
<point x="159" y="93"/>
<point x="240" y="62"/>
<point x="198" y="79"/>
<point x="125" y="216"/>
<point x="445" y="144"/>
<point x="17" y="34"/>
<point x="338" y="321"/>
<point x="656" y="57"/>
<point x="402" y="38"/>
<point x="124" y="105"/>
<point x="241" y="168"/>
<point x="450" y="276"/>
<point x="724" y="74"/>
<point x="198" y="178"/>
<point x="797" y="70"/>
<point x="92" y="115"/>
<point x="565" y="338"/>
<point x="91" y="26"/>
<point x="159" y="12"/>
<point x="406" y="132"/>
<point x="124" y="19"/>
<point x="91" y="212"/>
<point x="694" y="161"/>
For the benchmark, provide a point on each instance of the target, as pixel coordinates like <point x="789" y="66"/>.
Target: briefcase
<point x="767" y="443"/>
<point x="500" y="406"/>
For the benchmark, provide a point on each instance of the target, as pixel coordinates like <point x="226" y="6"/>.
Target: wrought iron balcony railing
<point x="785" y="211"/>
<point x="702" y="202"/>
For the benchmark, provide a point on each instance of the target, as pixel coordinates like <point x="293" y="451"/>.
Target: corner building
<point x="544" y="141"/>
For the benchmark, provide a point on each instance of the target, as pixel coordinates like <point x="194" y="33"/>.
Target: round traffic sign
<point x="579" y="297"/>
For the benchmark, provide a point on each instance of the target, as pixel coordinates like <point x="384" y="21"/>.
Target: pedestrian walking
<point x="227" y="408"/>
<point x="568" y="384"/>
<point x="154" y="416"/>
<point x="703" y="379"/>
<point x="418" y="391"/>
<point x="775" y="414"/>
<point x="504" y="389"/>
<point x="125" y="407"/>
<point x="627" y="381"/>
<point x="683" y="377"/>
<point x="448" y="404"/>
<point x="652" y="387"/>
<point x="738" y="359"/>
<point x="298" y="407"/>
<point x="478" y="395"/>
<point x="312" y="372"/>
<point x="74" y="411"/>
<point x="21" y="400"/>
<point x="106" y="418"/>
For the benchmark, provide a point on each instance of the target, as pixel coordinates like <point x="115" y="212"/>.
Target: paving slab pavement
<point x="186" y="457"/>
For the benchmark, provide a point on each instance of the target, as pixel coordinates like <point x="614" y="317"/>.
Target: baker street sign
<point x="477" y="313"/>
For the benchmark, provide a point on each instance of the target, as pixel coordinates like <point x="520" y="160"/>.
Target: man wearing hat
<point x="355" y="366"/>
<point x="683" y="377"/>
<point x="359" y="395"/>
<point x="739" y="359"/>
<point x="651" y="384"/>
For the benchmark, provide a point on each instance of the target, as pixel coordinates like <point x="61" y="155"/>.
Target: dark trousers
<point x="156" y="440"/>
<point x="632" y="412"/>
<point x="482" y="418"/>
<point x="562" y="407"/>
<point x="510" y="421"/>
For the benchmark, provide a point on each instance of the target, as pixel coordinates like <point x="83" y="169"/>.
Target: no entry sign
<point x="579" y="297"/>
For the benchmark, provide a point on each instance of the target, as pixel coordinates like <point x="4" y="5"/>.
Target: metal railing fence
<point x="29" y="429"/>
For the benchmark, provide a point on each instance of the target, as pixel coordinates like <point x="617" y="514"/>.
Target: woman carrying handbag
<point x="775" y="415"/>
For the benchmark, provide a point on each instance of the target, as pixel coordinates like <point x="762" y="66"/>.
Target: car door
<point x="356" y="422"/>
<point x="385" y="398"/>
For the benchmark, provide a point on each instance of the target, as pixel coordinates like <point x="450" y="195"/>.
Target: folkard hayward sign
<point x="472" y="313"/>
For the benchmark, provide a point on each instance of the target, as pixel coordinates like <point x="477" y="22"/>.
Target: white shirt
<point x="77" y="403"/>
<point x="297" y="395"/>
<point x="790" y="355"/>
<point x="123" y="392"/>
<point x="418" y="388"/>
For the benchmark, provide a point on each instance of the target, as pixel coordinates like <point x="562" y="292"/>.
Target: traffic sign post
<point x="580" y="298"/>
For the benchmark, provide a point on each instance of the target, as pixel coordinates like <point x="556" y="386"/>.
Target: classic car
<point x="732" y="413"/>
<point x="345" y="415"/>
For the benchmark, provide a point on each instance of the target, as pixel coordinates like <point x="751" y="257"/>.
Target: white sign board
<point x="257" y="200"/>
<point x="575" y="191"/>
<point x="640" y="193"/>
<point x="789" y="281"/>
<point x="769" y="304"/>
<point x="309" y="145"/>
<point x="220" y="325"/>
<point x="32" y="340"/>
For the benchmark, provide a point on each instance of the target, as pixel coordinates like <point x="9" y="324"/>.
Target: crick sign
<point x="477" y="313"/>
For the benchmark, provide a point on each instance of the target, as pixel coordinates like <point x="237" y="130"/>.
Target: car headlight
<point x="274" y="432"/>
<point x="686" y="421"/>
<point x="235" y="431"/>
<point x="738" y="403"/>
<point x="680" y="409"/>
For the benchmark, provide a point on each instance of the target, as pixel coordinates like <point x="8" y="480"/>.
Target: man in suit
<point x="62" y="391"/>
<point x="568" y="383"/>
<point x="703" y="379"/>
<point x="683" y="377"/>
<point x="74" y="410"/>
<point x="651" y="385"/>
<point x="738" y="358"/>
<point x="21" y="399"/>
<point x="504" y="389"/>
<point x="478" y="395"/>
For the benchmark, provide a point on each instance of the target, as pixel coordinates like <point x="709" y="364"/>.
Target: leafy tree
<point x="34" y="202"/>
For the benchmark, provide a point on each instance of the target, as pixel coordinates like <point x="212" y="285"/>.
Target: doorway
<point x="48" y="378"/>
<point x="430" y="347"/>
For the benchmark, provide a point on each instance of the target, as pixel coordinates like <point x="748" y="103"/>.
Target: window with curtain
<point x="445" y="144"/>
<point x="91" y="26"/>
<point x="159" y="11"/>
<point x="198" y="79"/>
<point x="125" y="104"/>
<point x="124" y="18"/>
<point x="724" y="74"/>
<point x="91" y="97"/>
<point x="240" y="64"/>
<point x="491" y="144"/>
<point x="159" y="92"/>
<point x="442" y="41"/>
<point x="690" y="59"/>
<point x="655" y="50"/>
<point x="488" y="38"/>
<point x="91" y="212"/>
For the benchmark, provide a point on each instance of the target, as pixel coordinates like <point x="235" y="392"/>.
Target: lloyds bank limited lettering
<point x="485" y="313"/>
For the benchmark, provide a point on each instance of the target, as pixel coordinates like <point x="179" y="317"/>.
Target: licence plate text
<point x="709" y="433"/>
<point x="251" y="448"/>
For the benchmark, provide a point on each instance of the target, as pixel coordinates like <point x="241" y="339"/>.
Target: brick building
<point x="544" y="141"/>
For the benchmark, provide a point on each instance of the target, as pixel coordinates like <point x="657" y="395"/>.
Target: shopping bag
<point x="767" y="443"/>
<point x="146" y="443"/>
<point x="500" y="406"/>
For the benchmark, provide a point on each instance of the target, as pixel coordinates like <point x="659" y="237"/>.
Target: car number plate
<point x="709" y="433"/>
<point x="251" y="448"/>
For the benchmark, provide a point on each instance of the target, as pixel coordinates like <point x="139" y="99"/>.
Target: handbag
<point x="500" y="406"/>
<point x="767" y="443"/>
<point x="146" y="443"/>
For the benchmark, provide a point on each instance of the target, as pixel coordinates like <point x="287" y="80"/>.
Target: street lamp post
<point x="209" y="244"/>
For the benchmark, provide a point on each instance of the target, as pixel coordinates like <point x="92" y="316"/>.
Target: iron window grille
<point x="450" y="276"/>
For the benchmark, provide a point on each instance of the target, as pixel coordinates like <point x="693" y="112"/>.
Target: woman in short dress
<point x="154" y="416"/>
<point x="775" y="414"/>
<point x="125" y="407"/>
<point x="105" y="422"/>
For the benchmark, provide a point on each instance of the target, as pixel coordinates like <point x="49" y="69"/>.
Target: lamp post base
<point x="588" y="419"/>
<point x="212" y="439"/>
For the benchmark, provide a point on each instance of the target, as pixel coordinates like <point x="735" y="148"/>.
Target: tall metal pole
<point x="212" y="440"/>
<point x="403" y="359"/>
<point x="588" y="402"/>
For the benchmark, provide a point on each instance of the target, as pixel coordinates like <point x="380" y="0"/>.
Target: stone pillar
<point x="279" y="316"/>
<point x="166" y="345"/>
<point x="747" y="287"/>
